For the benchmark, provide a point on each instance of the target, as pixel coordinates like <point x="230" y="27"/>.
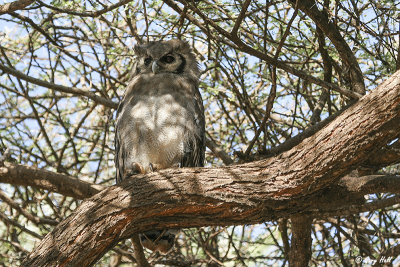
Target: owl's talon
<point x="154" y="167"/>
<point x="136" y="168"/>
<point x="151" y="167"/>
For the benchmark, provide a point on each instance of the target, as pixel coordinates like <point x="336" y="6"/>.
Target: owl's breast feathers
<point x="160" y="122"/>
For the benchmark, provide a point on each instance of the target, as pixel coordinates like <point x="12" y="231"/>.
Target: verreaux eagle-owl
<point x="160" y="120"/>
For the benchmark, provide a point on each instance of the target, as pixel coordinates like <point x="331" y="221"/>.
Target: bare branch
<point x="70" y="90"/>
<point x="219" y="152"/>
<point x="7" y="220"/>
<point x="28" y="176"/>
<point x="14" y="6"/>
<point x="30" y="217"/>
<point x="371" y="184"/>
<point x="329" y="28"/>
<point x="254" y="52"/>
<point x="138" y="250"/>
<point x="300" y="249"/>
<point x="92" y="14"/>
<point x="357" y="208"/>
<point x="240" y="18"/>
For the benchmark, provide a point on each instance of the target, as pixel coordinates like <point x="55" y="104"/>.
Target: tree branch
<point x="347" y="210"/>
<point x="385" y="156"/>
<point x="371" y="184"/>
<point x="300" y="249"/>
<point x="138" y="250"/>
<point x="218" y="152"/>
<point x="70" y="90"/>
<point x="14" y="6"/>
<point x="240" y="18"/>
<point x="329" y="28"/>
<point x="92" y="14"/>
<point x="29" y="216"/>
<point x="29" y="176"/>
<point x="241" y="194"/>
<point x="238" y="44"/>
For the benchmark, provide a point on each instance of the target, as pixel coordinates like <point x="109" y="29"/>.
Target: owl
<point x="160" y="120"/>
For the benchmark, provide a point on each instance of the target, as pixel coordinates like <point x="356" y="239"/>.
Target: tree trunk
<point x="241" y="194"/>
<point x="300" y="245"/>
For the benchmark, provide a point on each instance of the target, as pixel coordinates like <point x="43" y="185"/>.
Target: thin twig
<point x="240" y="18"/>
<point x="60" y="88"/>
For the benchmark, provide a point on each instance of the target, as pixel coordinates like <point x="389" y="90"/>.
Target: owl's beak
<point x="155" y="67"/>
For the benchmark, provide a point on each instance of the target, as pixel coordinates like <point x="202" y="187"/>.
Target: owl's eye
<point x="167" y="59"/>
<point x="147" y="60"/>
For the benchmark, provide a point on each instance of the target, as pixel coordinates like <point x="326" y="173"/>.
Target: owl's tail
<point x="158" y="240"/>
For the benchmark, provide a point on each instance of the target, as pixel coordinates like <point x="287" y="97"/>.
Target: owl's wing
<point x="194" y="145"/>
<point x="118" y="157"/>
<point x="119" y="153"/>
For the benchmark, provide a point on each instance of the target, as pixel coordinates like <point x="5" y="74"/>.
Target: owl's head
<point x="174" y="56"/>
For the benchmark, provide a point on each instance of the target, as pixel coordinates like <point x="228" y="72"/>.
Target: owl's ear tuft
<point x="180" y="45"/>
<point x="185" y="46"/>
<point x="139" y="50"/>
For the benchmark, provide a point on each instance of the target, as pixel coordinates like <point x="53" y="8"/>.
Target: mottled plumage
<point x="160" y="121"/>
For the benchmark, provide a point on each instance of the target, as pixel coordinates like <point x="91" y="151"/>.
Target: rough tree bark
<point x="14" y="6"/>
<point x="17" y="174"/>
<point x="300" y="245"/>
<point x="242" y="194"/>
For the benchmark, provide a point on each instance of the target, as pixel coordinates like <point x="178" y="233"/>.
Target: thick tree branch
<point x="14" y="6"/>
<point x="371" y="184"/>
<point x="349" y="186"/>
<point x="29" y="176"/>
<point x="385" y="156"/>
<point x="241" y="194"/>
<point x="300" y="249"/>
